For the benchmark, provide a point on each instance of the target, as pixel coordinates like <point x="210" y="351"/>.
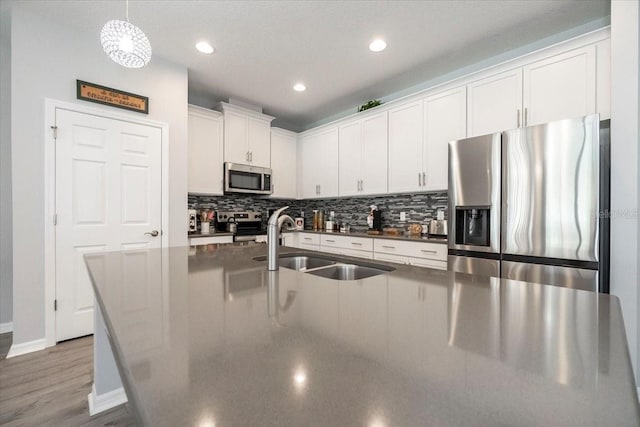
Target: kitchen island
<point x="216" y="339"/>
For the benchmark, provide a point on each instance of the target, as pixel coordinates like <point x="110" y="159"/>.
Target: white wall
<point x="46" y="61"/>
<point x="625" y="162"/>
<point x="6" y="259"/>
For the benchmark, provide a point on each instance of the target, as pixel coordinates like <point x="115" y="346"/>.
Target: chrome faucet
<point x="273" y="235"/>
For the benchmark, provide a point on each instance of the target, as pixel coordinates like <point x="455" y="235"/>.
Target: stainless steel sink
<point x="329" y="267"/>
<point x="347" y="272"/>
<point x="303" y="262"/>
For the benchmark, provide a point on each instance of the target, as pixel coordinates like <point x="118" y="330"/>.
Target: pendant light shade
<point x="125" y="43"/>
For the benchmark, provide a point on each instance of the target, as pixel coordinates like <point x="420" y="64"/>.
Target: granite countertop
<point x="216" y="339"/>
<point x="413" y="238"/>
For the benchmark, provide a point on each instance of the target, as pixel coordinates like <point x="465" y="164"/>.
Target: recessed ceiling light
<point x="204" y="47"/>
<point x="299" y="87"/>
<point x="378" y="45"/>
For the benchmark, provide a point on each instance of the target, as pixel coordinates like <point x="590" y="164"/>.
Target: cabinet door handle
<point x="307" y="238"/>
<point x="419" y="179"/>
<point x="424" y="178"/>
<point x="319" y="189"/>
<point x="428" y="251"/>
<point x="246" y="156"/>
<point x="526" y="119"/>
<point x="388" y="247"/>
<point x="357" y="244"/>
<point x="330" y="241"/>
<point x="251" y="156"/>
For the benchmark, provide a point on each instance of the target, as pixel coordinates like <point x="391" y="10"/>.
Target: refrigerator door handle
<point x="518" y="118"/>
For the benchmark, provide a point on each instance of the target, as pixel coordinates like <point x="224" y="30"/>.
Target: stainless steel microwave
<point x="246" y="179"/>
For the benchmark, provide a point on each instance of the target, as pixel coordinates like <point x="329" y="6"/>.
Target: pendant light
<point x="125" y="43"/>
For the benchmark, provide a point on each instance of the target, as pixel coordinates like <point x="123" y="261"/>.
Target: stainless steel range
<point x="247" y="225"/>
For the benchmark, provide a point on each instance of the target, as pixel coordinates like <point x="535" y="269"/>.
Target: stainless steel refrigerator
<point x="532" y="204"/>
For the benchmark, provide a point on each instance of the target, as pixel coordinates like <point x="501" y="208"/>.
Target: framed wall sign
<point x="108" y="96"/>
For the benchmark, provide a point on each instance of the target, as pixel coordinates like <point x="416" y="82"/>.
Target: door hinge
<point x="55" y="305"/>
<point x="55" y="131"/>
<point x="55" y="219"/>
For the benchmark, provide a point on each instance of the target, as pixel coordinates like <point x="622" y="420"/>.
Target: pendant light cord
<point x="127" y="10"/>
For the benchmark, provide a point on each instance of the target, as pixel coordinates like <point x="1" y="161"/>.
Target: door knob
<point x="153" y="233"/>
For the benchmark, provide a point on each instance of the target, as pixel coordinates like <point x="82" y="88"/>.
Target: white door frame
<point x="50" y="191"/>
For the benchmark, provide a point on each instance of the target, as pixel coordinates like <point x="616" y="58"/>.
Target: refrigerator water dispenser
<point x="472" y="226"/>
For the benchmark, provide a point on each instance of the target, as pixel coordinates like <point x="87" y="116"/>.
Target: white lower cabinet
<point x="309" y="241"/>
<point x="360" y="247"/>
<point x="398" y="259"/>
<point x="419" y="254"/>
<point x="357" y="254"/>
<point x="429" y="263"/>
<point x="194" y="241"/>
<point x="290" y="239"/>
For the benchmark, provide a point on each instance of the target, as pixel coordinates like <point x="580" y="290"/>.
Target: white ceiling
<point x="264" y="47"/>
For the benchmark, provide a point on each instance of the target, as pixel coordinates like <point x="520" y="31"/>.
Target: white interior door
<point x="108" y="198"/>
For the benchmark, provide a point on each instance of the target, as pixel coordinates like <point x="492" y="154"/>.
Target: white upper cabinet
<point x="259" y="142"/>
<point x="374" y="154"/>
<point x="318" y="154"/>
<point x="405" y="147"/>
<point x="445" y="119"/>
<point x="363" y="156"/>
<point x="495" y="103"/>
<point x="247" y="136"/>
<point x="419" y="135"/>
<point x="560" y="87"/>
<point x="283" y="163"/>
<point x="350" y="158"/>
<point x="205" y="159"/>
<point x="402" y="147"/>
<point x="603" y="79"/>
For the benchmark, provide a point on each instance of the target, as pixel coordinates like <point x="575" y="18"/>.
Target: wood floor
<point x="50" y="387"/>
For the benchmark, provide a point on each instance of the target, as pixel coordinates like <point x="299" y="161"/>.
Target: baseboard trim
<point x="103" y="402"/>
<point x="26" y="347"/>
<point x="6" y="327"/>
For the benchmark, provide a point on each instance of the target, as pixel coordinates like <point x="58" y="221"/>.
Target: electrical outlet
<point x="403" y="216"/>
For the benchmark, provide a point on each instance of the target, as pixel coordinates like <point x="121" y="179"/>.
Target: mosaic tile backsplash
<point x="353" y="210"/>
